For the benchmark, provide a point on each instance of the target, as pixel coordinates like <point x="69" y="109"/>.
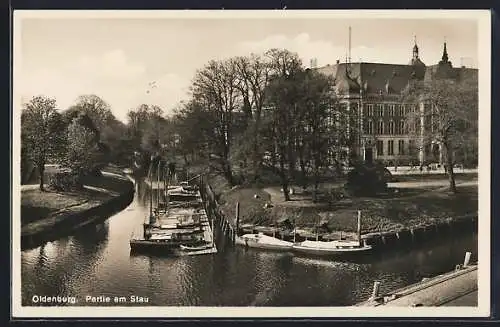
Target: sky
<point x="116" y="58"/>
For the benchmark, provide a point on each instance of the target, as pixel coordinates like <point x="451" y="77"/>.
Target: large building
<point x="373" y="91"/>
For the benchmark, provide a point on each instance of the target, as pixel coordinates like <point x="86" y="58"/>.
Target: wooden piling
<point x="467" y="258"/>
<point x="375" y="292"/>
<point x="359" y="227"/>
<point x="237" y="221"/>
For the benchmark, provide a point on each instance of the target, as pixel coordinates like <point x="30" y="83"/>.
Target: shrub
<point x="367" y="180"/>
<point x="65" y="181"/>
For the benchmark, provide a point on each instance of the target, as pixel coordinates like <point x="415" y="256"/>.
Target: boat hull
<point x="157" y="246"/>
<point x="264" y="242"/>
<point x="332" y="252"/>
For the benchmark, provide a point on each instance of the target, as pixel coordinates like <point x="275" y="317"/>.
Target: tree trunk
<point x="449" y="164"/>
<point x="256" y="162"/>
<point x="41" y="170"/>
<point x="228" y="173"/>
<point x="316" y="186"/>
<point x="316" y="178"/>
<point x="303" y="172"/>
<point x="284" y="180"/>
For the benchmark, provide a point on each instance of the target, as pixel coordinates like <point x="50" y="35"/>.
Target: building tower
<point x="415" y="60"/>
<point x="444" y="58"/>
<point x="415" y="50"/>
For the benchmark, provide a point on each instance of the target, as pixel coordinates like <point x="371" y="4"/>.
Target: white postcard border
<point x="484" y="65"/>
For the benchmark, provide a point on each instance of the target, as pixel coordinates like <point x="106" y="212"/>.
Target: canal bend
<point x="96" y="261"/>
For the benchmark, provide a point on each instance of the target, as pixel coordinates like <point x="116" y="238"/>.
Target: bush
<point x="65" y="181"/>
<point x="367" y="180"/>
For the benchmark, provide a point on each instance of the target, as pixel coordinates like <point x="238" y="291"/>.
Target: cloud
<point x="110" y="65"/>
<point x="325" y="51"/>
<point x="111" y="75"/>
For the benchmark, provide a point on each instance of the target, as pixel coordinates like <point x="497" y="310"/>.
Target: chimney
<point x="338" y="61"/>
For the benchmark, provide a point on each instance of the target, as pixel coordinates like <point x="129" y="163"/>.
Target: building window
<point x="380" y="110"/>
<point x="401" y="146"/>
<point x="402" y="127"/>
<point x="369" y="127"/>
<point x="380" y="148"/>
<point x="392" y="110"/>
<point x="369" y="110"/>
<point x="391" y="128"/>
<point x="390" y="147"/>
<point x="380" y="127"/>
<point x="401" y="109"/>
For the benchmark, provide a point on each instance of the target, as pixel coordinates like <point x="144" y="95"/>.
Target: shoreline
<point x="413" y="230"/>
<point x="66" y="220"/>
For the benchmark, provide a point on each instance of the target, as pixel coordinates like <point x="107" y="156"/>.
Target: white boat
<point x="331" y="247"/>
<point x="196" y="248"/>
<point x="262" y="241"/>
<point x="334" y="248"/>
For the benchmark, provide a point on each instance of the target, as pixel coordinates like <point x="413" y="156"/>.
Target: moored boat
<point x="262" y="241"/>
<point x="196" y="247"/>
<point x="330" y="248"/>
<point x="334" y="248"/>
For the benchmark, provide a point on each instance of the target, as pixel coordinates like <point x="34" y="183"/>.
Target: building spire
<point x="444" y="59"/>
<point x="415" y="48"/>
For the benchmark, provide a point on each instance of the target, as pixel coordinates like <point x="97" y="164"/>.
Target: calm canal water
<point x="96" y="261"/>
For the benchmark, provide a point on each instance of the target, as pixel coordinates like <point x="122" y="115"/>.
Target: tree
<point x="253" y="78"/>
<point x="111" y="131"/>
<point x="319" y="103"/>
<point x="283" y="94"/>
<point x="192" y="116"/>
<point x="215" y="87"/>
<point x="145" y="124"/>
<point x="96" y="108"/>
<point x="83" y="151"/>
<point x="41" y="133"/>
<point x="449" y="116"/>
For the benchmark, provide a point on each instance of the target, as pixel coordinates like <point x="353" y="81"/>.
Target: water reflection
<point x="97" y="261"/>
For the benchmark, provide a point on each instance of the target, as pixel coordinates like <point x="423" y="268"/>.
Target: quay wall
<point x="215" y="214"/>
<point x="68" y="222"/>
<point x="422" y="234"/>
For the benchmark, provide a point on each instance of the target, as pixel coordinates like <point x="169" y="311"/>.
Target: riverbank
<point x="416" y="206"/>
<point x="48" y="215"/>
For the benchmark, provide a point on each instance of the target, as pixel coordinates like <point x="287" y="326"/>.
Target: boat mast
<point x="158" y="185"/>
<point x="165" y="185"/>
<point x="294" y="230"/>
<point x="150" y="177"/>
<point x="359" y="227"/>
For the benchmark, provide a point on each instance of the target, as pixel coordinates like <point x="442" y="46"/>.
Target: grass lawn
<point x="408" y="208"/>
<point x="36" y="205"/>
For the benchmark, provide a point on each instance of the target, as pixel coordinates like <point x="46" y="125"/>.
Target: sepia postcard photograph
<point x="279" y="163"/>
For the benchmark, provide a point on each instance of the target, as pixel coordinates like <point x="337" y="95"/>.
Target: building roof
<point x="372" y="78"/>
<point x="388" y="79"/>
<point x="391" y="79"/>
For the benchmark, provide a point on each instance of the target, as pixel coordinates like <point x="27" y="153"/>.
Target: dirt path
<point x="300" y="200"/>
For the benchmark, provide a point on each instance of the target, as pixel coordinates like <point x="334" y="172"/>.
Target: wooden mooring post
<point x="237" y="222"/>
